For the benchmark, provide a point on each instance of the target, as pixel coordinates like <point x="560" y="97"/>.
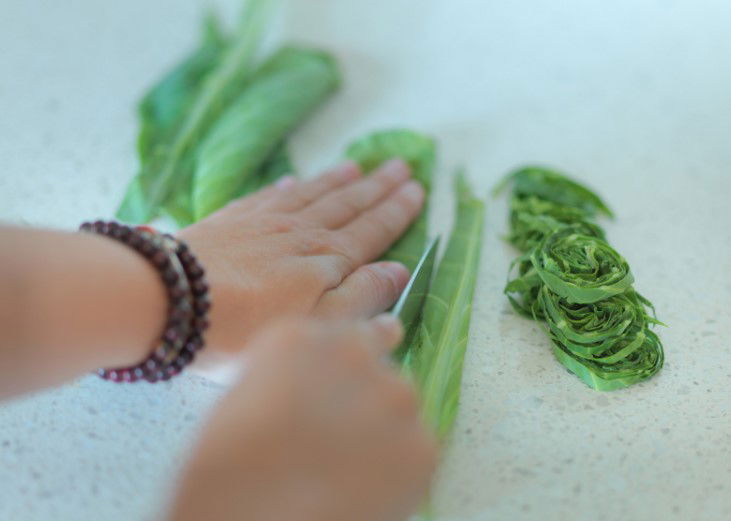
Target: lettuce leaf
<point x="437" y="354"/>
<point x="570" y="278"/>
<point x="286" y="88"/>
<point x="554" y="187"/>
<point x="419" y="151"/>
<point x="166" y="146"/>
<point x="163" y="109"/>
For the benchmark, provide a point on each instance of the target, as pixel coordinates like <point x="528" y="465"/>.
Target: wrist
<point x="114" y="302"/>
<point x="187" y="296"/>
<point x="79" y="302"/>
<point x="137" y="305"/>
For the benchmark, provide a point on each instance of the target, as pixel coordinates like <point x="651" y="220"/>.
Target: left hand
<point x="305" y="248"/>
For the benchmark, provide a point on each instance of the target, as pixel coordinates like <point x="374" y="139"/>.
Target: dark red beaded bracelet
<point x="187" y="290"/>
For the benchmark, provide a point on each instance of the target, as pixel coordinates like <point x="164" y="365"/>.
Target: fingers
<point x="341" y="206"/>
<point x="258" y="199"/>
<point x="370" y="234"/>
<point x="368" y="291"/>
<point x="377" y="336"/>
<point x="389" y="330"/>
<point x="293" y="197"/>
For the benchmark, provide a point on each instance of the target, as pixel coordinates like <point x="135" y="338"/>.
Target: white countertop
<point x="632" y="96"/>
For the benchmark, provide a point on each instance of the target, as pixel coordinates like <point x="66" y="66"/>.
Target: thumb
<point x="368" y="291"/>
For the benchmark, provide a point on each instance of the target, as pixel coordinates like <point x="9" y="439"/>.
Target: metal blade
<point x="408" y="306"/>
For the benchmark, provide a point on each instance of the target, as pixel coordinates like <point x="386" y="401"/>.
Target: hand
<point x="300" y="248"/>
<point x="320" y="428"/>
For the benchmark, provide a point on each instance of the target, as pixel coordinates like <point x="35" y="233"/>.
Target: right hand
<point x="320" y="428"/>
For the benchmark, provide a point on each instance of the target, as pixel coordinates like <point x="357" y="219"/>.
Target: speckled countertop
<point x="631" y="95"/>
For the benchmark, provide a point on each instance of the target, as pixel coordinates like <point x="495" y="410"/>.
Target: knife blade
<point x="408" y="306"/>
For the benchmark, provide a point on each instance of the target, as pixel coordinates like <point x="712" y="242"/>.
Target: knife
<point x="408" y="306"/>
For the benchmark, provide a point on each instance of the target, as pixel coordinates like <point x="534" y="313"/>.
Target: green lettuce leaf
<point x="168" y="168"/>
<point x="163" y="109"/>
<point x="580" y="268"/>
<point x="419" y="151"/>
<point x="287" y="88"/>
<point x="532" y="219"/>
<point x="570" y="278"/>
<point x="179" y="206"/>
<point x="643" y="363"/>
<point x="554" y="187"/>
<point x="279" y="163"/>
<point x="437" y="354"/>
<point x="161" y="113"/>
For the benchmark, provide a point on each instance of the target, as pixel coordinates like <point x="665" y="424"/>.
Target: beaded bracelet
<point x="188" y="308"/>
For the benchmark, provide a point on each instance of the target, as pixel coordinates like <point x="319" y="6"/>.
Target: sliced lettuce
<point x="569" y="277"/>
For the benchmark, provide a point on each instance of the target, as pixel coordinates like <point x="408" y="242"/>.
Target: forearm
<point x="71" y="303"/>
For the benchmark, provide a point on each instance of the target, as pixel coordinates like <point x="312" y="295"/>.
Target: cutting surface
<point x="631" y="96"/>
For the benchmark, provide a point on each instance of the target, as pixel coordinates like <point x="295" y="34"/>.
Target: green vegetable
<point x="286" y="89"/>
<point x="437" y="354"/>
<point x="419" y="151"/>
<point x="640" y="365"/>
<point x="531" y="219"/>
<point x="278" y="164"/>
<point x="580" y="268"/>
<point x="180" y="204"/>
<point x="572" y="279"/>
<point x="434" y="351"/>
<point x="209" y="80"/>
<point x="163" y="109"/>
<point x="554" y="187"/>
<point x="161" y="113"/>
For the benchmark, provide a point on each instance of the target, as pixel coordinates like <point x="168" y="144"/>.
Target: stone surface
<point x="631" y="96"/>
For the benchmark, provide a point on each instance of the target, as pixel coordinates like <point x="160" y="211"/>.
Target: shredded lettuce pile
<point x="571" y="279"/>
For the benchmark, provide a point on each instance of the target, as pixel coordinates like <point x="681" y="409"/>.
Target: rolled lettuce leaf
<point x="580" y="268"/>
<point x="437" y="355"/>
<point x="571" y="278"/>
<point x="279" y="163"/>
<point x="203" y="87"/>
<point x="532" y="219"/>
<point x="289" y="86"/>
<point x="433" y="352"/>
<point x="419" y="151"/>
<point x="161" y="113"/>
<point x="643" y="363"/>
<point x="549" y="185"/>
<point x="163" y="109"/>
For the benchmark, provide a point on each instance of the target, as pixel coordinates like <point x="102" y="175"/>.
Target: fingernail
<point x="413" y="191"/>
<point x="398" y="271"/>
<point x="396" y="168"/>
<point x="390" y="326"/>
<point x="349" y="170"/>
<point x="286" y="182"/>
